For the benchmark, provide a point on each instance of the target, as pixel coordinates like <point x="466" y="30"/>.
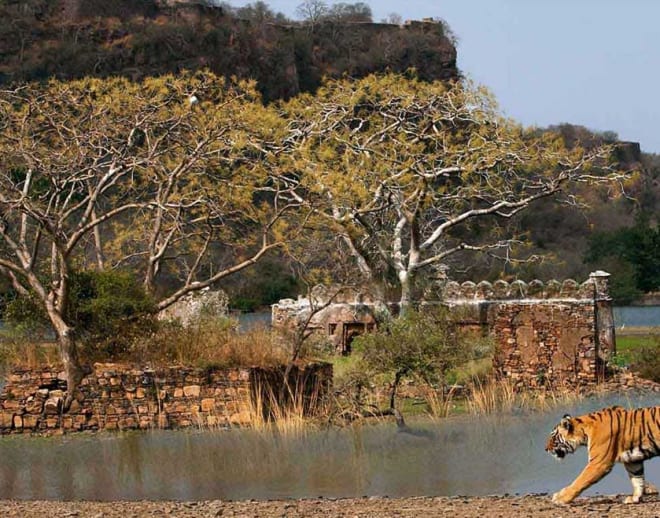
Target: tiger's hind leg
<point x="650" y="489"/>
<point x="636" y="473"/>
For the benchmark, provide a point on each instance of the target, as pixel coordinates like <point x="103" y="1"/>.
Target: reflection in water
<point x="462" y="456"/>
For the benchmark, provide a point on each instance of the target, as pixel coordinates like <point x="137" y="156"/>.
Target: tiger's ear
<point x="566" y="423"/>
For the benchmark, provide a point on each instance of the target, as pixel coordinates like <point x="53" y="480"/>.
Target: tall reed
<point x="500" y="396"/>
<point x="287" y="416"/>
<point x="440" y="404"/>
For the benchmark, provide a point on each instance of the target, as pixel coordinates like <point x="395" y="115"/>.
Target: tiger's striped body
<point x="612" y="435"/>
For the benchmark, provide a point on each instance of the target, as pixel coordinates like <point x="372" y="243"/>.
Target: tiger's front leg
<point x="591" y="474"/>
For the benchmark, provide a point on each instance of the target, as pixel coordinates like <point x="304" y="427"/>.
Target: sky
<point x="595" y="63"/>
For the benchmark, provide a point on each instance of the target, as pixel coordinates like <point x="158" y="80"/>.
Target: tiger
<point x="613" y="434"/>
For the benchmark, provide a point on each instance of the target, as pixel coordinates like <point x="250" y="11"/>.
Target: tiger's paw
<point x="632" y="499"/>
<point x="650" y="489"/>
<point x="561" y="498"/>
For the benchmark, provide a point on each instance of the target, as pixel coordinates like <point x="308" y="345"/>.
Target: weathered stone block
<point x="191" y="391"/>
<point x="29" y="421"/>
<point x="53" y="405"/>
<point x="208" y="404"/>
<point x="11" y="404"/>
<point x="241" y="418"/>
<point x="5" y="419"/>
<point x="127" y="423"/>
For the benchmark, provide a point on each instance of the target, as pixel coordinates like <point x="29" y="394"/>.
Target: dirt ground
<point x="537" y="506"/>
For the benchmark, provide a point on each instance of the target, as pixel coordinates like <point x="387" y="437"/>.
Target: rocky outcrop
<point x="196" y="306"/>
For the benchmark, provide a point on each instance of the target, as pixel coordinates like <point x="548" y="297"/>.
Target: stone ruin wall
<point x="121" y="397"/>
<point x="342" y="314"/>
<point x="546" y="334"/>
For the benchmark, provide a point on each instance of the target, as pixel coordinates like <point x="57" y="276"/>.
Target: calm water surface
<point x="637" y="316"/>
<point x="459" y="456"/>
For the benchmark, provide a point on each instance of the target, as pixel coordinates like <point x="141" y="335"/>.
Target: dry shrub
<point x="24" y="353"/>
<point x="214" y="342"/>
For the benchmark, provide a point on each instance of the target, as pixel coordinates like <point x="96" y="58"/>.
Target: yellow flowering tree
<point x="400" y="169"/>
<point x="170" y="177"/>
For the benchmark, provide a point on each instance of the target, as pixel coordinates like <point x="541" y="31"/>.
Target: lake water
<point x="637" y="316"/>
<point x="458" y="456"/>
<point x="248" y="321"/>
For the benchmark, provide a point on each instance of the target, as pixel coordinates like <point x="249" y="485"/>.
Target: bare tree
<point x="403" y="168"/>
<point x="393" y="18"/>
<point x="312" y="11"/>
<point x="168" y="177"/>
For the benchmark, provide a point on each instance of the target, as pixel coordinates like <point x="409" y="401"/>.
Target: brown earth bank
<point x="537" y="506"/>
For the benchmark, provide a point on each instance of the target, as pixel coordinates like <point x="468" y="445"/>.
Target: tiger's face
<point x="563" y="439"/>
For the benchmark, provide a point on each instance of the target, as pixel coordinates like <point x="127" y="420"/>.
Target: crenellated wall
<point x="546" y="334"/>
<point x="122" y="397"/>
<point x="339" y="314"/>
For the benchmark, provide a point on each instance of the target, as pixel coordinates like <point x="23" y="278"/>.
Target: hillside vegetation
<point x="137" y="38"/>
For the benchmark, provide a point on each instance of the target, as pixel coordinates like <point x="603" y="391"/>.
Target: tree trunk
<point x="395" y="385"/>
<point x="405" y="301"/>
<point x="69" y="355"/>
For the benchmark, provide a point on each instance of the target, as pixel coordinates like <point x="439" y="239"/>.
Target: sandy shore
<point x="537" y="506"/>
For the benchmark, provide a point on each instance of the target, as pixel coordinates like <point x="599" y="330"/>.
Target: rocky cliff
<point x="75" y="38"/>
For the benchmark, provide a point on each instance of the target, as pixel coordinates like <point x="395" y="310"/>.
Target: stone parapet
<point x="546" y="334"/>
<point x="568" y="289"/>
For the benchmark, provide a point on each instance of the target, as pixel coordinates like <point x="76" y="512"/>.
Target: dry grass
<point x="500" y="396"/>
<point x="23" y="353"/>
<point x="439" y="403"/>
<point x="288" y="416"/>
<point x="215" y="342"/>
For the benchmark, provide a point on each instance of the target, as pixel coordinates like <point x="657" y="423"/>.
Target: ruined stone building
<point x="340" y="316"/>
<point x="545" y="334"/>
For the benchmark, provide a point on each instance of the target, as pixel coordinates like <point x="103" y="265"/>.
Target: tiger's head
<point x="564" y="438"/>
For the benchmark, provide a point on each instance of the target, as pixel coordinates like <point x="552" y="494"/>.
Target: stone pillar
<point x="605" y="338"/>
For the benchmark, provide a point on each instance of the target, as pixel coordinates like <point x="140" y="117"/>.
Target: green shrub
<point x="424" y="345"/>
<point x="645" y="360"/>
<point x="108" y="311"/>
<point x="26" y="317"/>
